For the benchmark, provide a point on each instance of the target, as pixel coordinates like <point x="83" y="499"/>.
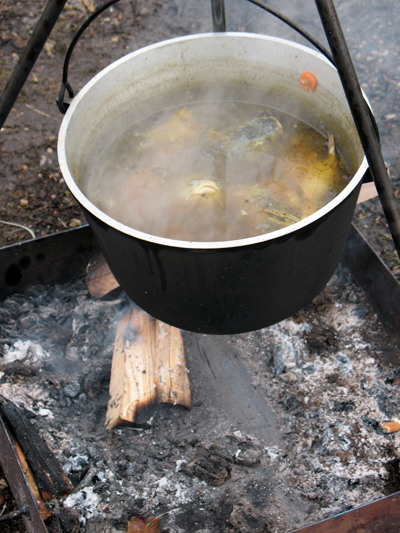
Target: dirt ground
<point x="32" y="190"/>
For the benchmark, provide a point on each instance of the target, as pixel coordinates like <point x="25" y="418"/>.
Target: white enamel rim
<point x="83" y="200"/>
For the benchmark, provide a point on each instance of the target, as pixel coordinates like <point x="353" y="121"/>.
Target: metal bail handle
<point x="62" y="102"/>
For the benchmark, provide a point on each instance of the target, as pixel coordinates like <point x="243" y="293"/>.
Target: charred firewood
<point x="132" y="371"/>
<point x="63" y="520"/>
<point x="246" y="518"/>
<point x="367" y="191"/>
<point x="210" y="466"/>
<point x="99" y="279"/>
<point x="148" y="364"/>
<point x="171" y="378"/>
<point x="49" y="475"/>
<point x="42" y="507"/>
<point x="148" y="367"/>
<point x="27" y="505"/>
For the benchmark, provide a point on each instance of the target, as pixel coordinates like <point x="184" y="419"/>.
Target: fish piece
<point x="203" y="189"/>
<point x="255" y="135"/>
<point x="261" y="197"/>
<point x="286" y="218"/>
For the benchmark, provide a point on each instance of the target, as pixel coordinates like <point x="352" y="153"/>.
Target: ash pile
<point x="284" y="429"/>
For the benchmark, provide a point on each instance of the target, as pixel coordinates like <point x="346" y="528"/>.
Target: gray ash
<point x="286" y="419"/>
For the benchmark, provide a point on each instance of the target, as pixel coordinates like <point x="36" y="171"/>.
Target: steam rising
<point x="215" y="168"/>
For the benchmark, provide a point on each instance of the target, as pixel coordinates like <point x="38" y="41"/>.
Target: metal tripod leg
<point x="362" y="119"/>
<point x="218" y="15"/>
<point x="29" y="56"/>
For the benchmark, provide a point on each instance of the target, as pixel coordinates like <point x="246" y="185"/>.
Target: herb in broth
<point x="215" y="171"/>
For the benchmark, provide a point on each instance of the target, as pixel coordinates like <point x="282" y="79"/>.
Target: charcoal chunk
<point x="209" y="466"/>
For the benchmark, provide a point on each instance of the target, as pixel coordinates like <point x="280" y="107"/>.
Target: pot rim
<point x="89" y="206"/>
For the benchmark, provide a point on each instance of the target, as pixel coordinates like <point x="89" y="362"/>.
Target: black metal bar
<point x="375" y="278"/>
<point x="218" y="15"/>
<point x="359" y="110"/>
<point x="382" y="516"/>
<point x="18" y="484"/>
<point x="29" y="56"/>
<point x="48" y="260"/>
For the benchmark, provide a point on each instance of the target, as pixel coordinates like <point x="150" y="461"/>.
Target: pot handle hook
<point x="62" y="101"/>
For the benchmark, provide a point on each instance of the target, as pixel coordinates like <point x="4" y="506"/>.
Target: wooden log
<point x="42" y="507"/>
<point x="132" y="370"/>
<point x="171" y="378"/>
<point x="50" y="478"/>
<point x="99" y="280"/>
<point x="367" y="191"/>
<point x="148" y="367"/>
<point x="16" y="480"/>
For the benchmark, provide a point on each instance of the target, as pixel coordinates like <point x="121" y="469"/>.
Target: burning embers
<point x="284" y="428"/>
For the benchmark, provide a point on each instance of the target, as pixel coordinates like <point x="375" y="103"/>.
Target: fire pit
<point x="285" y="424"/>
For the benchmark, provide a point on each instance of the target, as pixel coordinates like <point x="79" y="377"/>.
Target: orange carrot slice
<point x="308" y="82"/>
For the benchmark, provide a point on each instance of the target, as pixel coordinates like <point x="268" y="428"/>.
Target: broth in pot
<point x="215" y="171"/>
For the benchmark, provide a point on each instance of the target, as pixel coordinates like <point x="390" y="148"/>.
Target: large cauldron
<point x="231" y="286"/>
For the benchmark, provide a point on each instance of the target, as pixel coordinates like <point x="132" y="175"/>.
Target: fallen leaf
<point x="137" y="525"/>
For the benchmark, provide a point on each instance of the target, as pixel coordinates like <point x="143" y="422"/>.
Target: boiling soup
<point x="215" y="171"/>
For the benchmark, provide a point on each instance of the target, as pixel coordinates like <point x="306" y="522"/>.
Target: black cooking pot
<point x="231" y="286"/>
